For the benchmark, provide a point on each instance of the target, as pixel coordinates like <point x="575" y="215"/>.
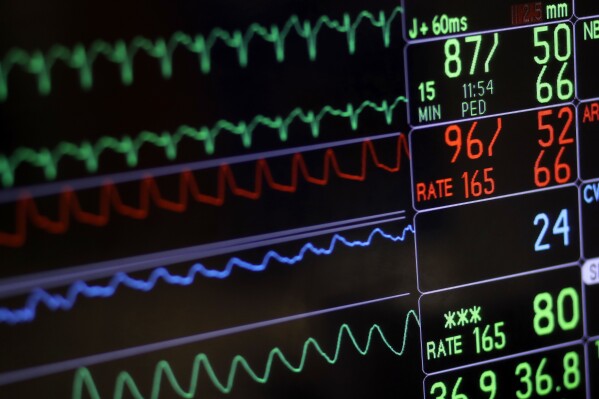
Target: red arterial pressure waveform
<point x="149" y="193"/>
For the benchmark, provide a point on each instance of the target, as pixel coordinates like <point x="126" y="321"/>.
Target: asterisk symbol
<point x="475" y="315"/>
<point x="449" y="319"/>
<point x="462" y="317"/>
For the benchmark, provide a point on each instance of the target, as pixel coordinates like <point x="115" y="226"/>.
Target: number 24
<point x="561" y="226"/>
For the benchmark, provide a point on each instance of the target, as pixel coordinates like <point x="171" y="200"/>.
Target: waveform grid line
<point x="81" y="58"/>
<point x="149" y="192"/>
<point x="84" y="382"/>
<point x="130" y="147"/>
<point x="55" y="302"/>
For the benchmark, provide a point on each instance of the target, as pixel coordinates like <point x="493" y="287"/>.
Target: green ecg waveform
<point x="82" y="58"/>
<point x="84" y="381"/>
<point x="89" y="153"/>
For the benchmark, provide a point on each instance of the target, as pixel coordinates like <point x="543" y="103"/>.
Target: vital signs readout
<point x="493" y="156"/>
<point x="553" y="374"/>
<point x="497" y="238"/>
<point x="471" y="76"/>
<point x="505" y="181"/>
<point x="470" y="324"/>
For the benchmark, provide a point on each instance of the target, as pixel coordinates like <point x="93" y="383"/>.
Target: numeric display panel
<point x="471" y="76"/>
<point x="553" y="374"/>
<point x="494" y="156"/>
<point x="500" y="318"/>
<point x="475" y="242"/>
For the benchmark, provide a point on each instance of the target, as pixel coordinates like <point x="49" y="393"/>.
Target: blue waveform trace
<point x="81" y="288"/>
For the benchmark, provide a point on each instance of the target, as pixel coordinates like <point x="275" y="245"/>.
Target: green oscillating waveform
<point x="84" y="381"/>
<point x="130" y="147"/>
<point x="82" y="58"/>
